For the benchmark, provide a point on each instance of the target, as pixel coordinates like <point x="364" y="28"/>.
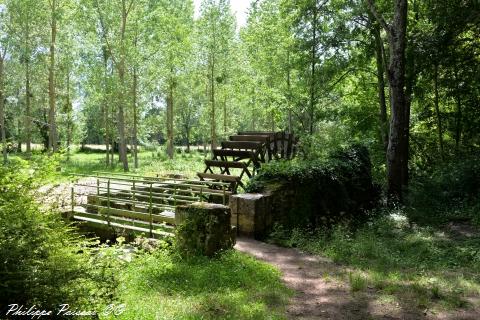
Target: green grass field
<point x="151" y="163"/>
<point x="232" y="286"/>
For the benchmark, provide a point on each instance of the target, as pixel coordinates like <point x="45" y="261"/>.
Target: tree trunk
<point x="2" y="113"/>
<point x="313" y="56"/>
<point x="52" y="137"/>
<point x="289" y="95"/>
<point x="212" y="100"/>
<point x="381" y="86"/>
<point x="28" y="117"/>
<point x="105" y="112"/>
<point x="69" y="117"/>
<point x="187" y="132"/>
<point x="437" y="113"/>
<point x="397" y="157"/>
<point x="458" y="113"/>
<point x="225" y="114"/>
<point x="170" y="149"/>
<point x="122" y="150"/>
<point x="135" y="118"/>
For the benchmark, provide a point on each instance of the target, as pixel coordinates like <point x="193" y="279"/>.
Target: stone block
<point x="204" y="228"/>
<point x="251" y="213"/>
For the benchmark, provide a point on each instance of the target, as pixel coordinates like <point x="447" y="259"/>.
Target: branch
<point x="378" y="16"/>
<point x="129" y="7"/>
<point x="104" y="31"/>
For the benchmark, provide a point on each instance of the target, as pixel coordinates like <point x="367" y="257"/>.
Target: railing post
<point x="223" y="194"/>
<point x="175" y="196"/>
<point x="133" y="195"/>
<point x="98" y="186"/>
<point x="108" y="202"/>
<point x="72" y="194"/>
<point x="150" y="208"/>
<point x="201" y="193"/>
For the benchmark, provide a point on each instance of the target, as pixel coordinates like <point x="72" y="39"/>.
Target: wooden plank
<point x="226" y="164"/>
<point x="257" y="133"/>
<point x="156" y="217"/>
<point x="242" y="145"/>
<point x="81" y="212"/>
<point x="218" y="177"/>
<point x="242" y="154"/>
<point x="259" y="138"/>
<point x="123" y="226"/>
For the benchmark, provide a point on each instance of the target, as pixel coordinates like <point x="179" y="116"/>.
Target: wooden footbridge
<point x="132" y="203"/>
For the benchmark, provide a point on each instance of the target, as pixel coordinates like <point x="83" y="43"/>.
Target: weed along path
<point x="323" y="289"/>
<point x="318" y="295"/>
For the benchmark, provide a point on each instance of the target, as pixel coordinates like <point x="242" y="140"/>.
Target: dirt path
<point x="321" y="295"/>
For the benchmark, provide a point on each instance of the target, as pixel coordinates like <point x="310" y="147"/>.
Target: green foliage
<point x="428" y="265"/>
<point x="451" y="191"/>
<point x="321" y="192"/>
<point x="43" y="261"/>
<point x="233" y="286"/>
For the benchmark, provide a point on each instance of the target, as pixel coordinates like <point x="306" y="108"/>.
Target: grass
<point x="423" y="267"/>
<point x="151" y="163"/>
<point x="232" y="286"/>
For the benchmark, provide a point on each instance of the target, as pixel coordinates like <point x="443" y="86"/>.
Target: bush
<point x="43" y="261"/>
<point x="450" y="191"/>
<point x="322" y="192"/>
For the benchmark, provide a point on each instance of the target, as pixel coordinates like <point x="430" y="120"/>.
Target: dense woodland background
<point x="402" y="78"/>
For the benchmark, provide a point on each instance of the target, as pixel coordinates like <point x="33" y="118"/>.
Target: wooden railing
<point x="139" y="203"/>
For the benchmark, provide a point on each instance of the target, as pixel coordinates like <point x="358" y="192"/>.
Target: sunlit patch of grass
<point x="151" y="163"/>
<point x="231" y="286"/>
<point x="357" y="281"/>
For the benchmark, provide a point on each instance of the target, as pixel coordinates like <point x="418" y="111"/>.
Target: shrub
<point x="450" y="191"/>
<point x="322" y="192"/>
<point x="43" y="261"/>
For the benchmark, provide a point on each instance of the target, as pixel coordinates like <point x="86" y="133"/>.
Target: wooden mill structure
<point x="242" y="155"/>
<point x="132" y="203"/>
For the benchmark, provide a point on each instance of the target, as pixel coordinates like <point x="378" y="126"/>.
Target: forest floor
<point x="324" y="289"/>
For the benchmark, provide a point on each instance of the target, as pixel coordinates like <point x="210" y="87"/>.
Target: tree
<point x="397" y="151"/>
<point x="117" y="48"/>
<point x="52" y="137"/>
<point x="25" y="22"/>
<point x="4" y="37"/>
<point x="216" y="29"/>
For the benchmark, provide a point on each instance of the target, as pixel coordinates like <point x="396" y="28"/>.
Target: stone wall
<point x="204" y="228"/>
<point x="308" y="195"/>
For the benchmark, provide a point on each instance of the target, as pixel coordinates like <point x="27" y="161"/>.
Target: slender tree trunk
<point x="2" y="112"/>
<point x="212" y="100"/>
<point x="289" y="95"/>
<point x="225" y="114"/>
<point x="52" y="137"/>
<point x="397" y="157"/>
<point x="381" y="86"/>
<point x="135" y="118"/>
<point x="121" y="76"/>
<point x="458" y="113"/>
<point x="28" y="117"/>
<point x="19" y="134"/>
<point x="69" y="117"/>
<point x="170" y="150"/>
<point x="105" y="113"/>
<point x="437" y="113"/>
<point x="313" y="57"/>
<point x="187" y="131"/>
<point x="458" y="123"/>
